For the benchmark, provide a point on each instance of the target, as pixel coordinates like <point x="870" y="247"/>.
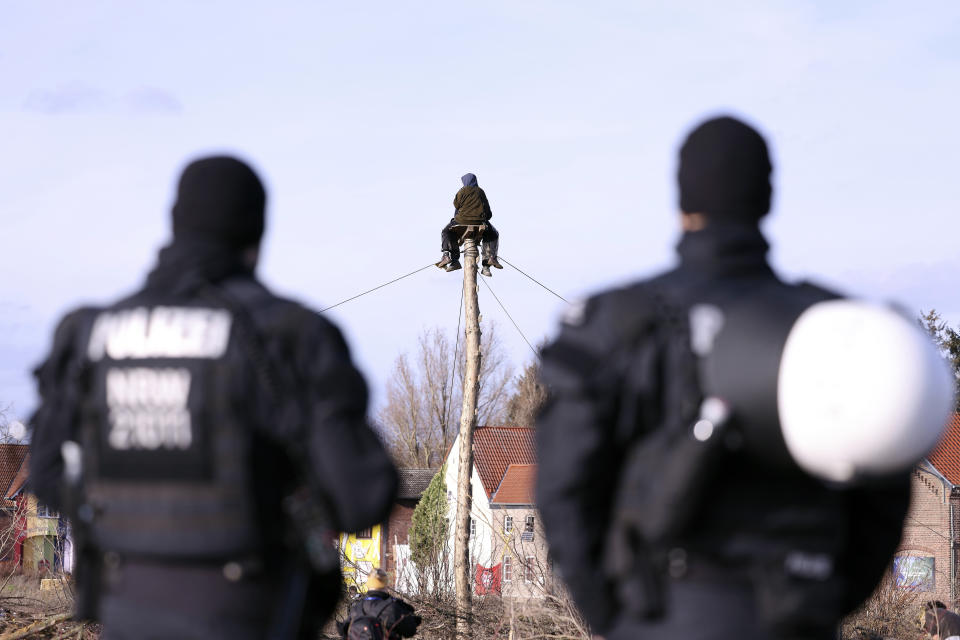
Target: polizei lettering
<point x="148" y="408"/>
<point x="160" y="332"/>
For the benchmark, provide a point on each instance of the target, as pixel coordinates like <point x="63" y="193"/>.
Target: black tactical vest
<point x="166" y="435"/>
<point x="717" y="498"/>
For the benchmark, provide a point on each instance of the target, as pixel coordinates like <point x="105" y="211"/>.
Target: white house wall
<point x="480" y="544"/>
<point x="538" y="581"/>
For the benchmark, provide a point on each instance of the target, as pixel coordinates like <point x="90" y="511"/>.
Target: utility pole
<point x="468" y="422"/>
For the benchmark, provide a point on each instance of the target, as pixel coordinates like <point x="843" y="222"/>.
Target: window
<point x="914" y="572"/>
<point x="508" y="524"/>
<point x="507" y="569"/>
<point x="43" y="511"/>
<point x="528" y="569"/>
<point x="473" y="527"/>
<point x="527" y="535"/>
<point x="365" y="534"/>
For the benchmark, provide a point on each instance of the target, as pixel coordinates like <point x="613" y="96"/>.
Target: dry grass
<point x="40" y="614"/>
<point x="494" y="619"/>
<point x="27" y="611"/>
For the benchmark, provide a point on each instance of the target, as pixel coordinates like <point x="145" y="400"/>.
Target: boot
<point x="445" y="259"/>
<point x="490" y="254"/>
<point x="485" y="271"/>
<point x="453" y="265"/>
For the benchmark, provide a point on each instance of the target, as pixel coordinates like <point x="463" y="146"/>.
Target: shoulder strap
<point x="386" y="603"/>
<point x="667" y="469"/>
<point x="401" y="618"/>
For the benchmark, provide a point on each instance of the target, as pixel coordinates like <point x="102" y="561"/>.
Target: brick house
<point x="33" y="538"/>
<point x="928" y="559"/>
<point x="507" y="546"/>
<point x="396" y="531"/>
<point x="381" y="545"/>
<point x="13" y="475"/>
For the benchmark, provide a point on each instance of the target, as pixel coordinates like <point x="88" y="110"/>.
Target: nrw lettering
<point x="161" y="332"/>
<point x="148" y="408"/>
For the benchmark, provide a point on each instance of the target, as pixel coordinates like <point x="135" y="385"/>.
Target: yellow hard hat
<point x="377" y="579"/>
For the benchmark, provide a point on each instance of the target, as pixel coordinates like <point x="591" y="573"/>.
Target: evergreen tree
<point x="429" y="528"/>
<point x="948" y="340"/>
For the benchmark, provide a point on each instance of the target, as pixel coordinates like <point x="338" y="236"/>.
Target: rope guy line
<point x="375" y="288"/>
<point x="926" y="526"/>
<point x="489" y="288"/>
<point x="534" y="279"/>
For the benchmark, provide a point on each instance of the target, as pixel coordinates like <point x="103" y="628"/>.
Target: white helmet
<point x="861" y="391"/>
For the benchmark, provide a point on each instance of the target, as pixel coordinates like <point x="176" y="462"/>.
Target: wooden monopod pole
<point x="468" y="422"/>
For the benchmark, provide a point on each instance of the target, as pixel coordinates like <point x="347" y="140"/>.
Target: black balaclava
<point x="725" y="172"/>
<point x="220" y="199"/>
<point x="469" y="180"/>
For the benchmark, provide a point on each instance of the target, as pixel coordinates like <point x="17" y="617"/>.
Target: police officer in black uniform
<point x="205" y="435"/>
<point x="660" y="534"/>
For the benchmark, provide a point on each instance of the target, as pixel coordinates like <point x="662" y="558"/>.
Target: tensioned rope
<point x="489" y="288"/>
<point x="926" y="526"/>
<point x="534" y="279"/>
<point x="407" y="275"/>
<point x="377" y="287"/>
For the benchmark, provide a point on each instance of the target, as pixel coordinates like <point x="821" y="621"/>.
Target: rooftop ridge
<point x="945" y="457"/>
<point x="504" y="426"/>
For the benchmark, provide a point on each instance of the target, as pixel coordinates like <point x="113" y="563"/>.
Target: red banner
<point x="487" y="580"/>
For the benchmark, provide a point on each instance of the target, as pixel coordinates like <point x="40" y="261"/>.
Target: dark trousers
<point x="157" y="602"/>
<point x="450" y="238"/>
<point x="708" y="610"/>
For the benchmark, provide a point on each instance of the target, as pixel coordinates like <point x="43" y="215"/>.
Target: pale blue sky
<point x="361" y="120"/>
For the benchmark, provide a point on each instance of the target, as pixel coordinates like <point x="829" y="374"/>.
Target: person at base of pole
<point x="204" y="435"/>
<point x="939" y="622"/>
<point x="471" y="207"/>
<point x="395" y="617"/>
<point x="755" y="549"/>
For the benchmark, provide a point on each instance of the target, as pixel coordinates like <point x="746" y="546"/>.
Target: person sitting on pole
<point x="471" y="207"/>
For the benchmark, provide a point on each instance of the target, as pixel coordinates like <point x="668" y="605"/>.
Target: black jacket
<point x="314" y="412"/>
<point x="471" y="206"/>
<point x="607" y="393"/>
<point x="941" y="622"/>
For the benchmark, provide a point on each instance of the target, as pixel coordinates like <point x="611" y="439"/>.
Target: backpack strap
<point x="386" y="603"/>
<point x="389" y="600"/>
<point x="668" y="467"/>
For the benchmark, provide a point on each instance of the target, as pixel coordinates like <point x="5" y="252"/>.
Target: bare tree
<point x="421" y="416"/>
<point x="11" y="430"/>
<point x="891" y="612"/>
<point x="528" y="396"/>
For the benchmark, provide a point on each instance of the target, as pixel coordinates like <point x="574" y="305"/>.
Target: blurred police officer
<point x="204" y="435"/>
<point x="671" y="504"/>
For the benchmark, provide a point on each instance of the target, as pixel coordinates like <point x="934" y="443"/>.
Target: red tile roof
<point x="13" y="470"/>
<point x="496" y="448"/>
<point x="517" y="485"/>
<point x="946" y="456"/>
<point x="20" y="479"/>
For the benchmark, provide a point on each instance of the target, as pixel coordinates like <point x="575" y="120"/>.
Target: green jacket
<point x="471" y="206"/>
